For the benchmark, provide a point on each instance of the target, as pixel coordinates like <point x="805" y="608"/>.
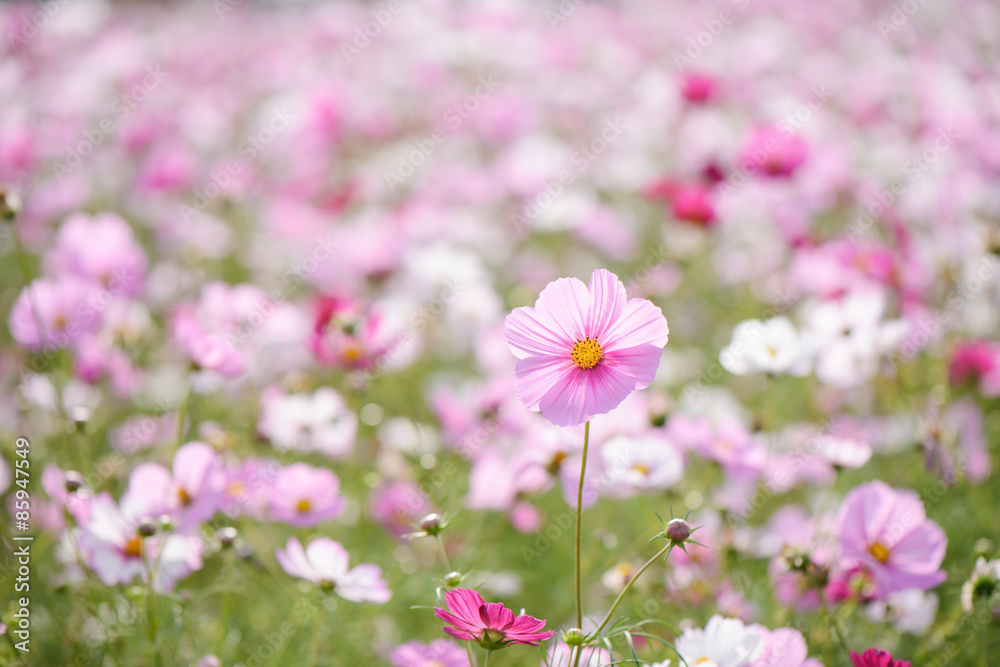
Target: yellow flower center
<point x="303" y="506"/>
<point x="587" y="353"/>
<point x="641" y="469"/>
<point x="184" y="497"/>
<point x="133" y="548"/>
<point x="701" y="660"/>
<point x="879" y="551"/>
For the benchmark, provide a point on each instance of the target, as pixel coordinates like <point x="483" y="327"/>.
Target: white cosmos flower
<point x="318" y="422"/>
<point x="772" y="346"/>
<point x="725" y="642"/>
<point x="641" y="463"/>
<point x="850" y="336"/>
<point x="844" y="452"/>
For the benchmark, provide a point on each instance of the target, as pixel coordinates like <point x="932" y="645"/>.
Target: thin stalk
<point x="659" y="554"/>
<point x="444" y="554"/>
<point x="472" y="659"/>
<point x="181" y="417"/>
<point x="579" y="524"/>
<point x="314" y="642"/>
<point x="487" y="660"/>
<point x="227" y="578"/>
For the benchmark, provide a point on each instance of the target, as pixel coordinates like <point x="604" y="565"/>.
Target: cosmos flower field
<point x="425" y="333"/>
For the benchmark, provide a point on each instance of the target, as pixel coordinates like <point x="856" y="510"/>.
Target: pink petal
<point x="563" y="306"/>
<point x="329" y="558"/>
<point x="607" y="301"/>
<point x="537" y="376"/>
<point x="921" y="550"/>
<point x="464" y="603"/>
<point x="529" y="333"/>
<point x="457" y="621"/>
<point x="460" y="634"/>
<point x="607" y="387"/>
<point x="639" y="363"/>
<point x="640" y="323"/>
<point x="564" y="404"/>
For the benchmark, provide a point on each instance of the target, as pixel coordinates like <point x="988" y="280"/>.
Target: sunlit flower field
<point x="428" y="333"/>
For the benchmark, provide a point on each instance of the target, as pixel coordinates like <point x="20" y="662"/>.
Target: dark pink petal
<point x="460" y="634"/>
<point x="525" y="624"/>
<point x="464" y="603"/>
<point x="495" y="616"/>
<point x="641" y="323"/>
<point x="458" y="622"/>
<point x="607" y="301"/>
<point x="537" y="376"/>
<point x="563" y="305"/>
<point x="529" y="333"/>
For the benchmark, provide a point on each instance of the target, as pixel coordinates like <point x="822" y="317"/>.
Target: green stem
<point x="314" y="642"/>
<point x="579" y="525"/>
<point x="487" y="660"/>
<point x="444" y="554"/>
<point x="227" y="578"/>
<point x="659" y="554"/>
<point x="468" y="649"/>
<point x="181" y="417"/>
<point x="577" y="652"/>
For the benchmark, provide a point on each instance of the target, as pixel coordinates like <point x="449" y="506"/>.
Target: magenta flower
<point x="491" y="625"/>
<point x="584" y="349"/>
<point x="326" y="564"/>
<point x="887" y="532"/>
<point x="874" y="657"/>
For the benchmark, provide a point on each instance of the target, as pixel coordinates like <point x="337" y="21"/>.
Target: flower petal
<point x="640" y="323"/>
<point x="529" y="332"/>
<point x="565" y="403"/>
<point x="537" y="376"/>
<point x="563" y="307"/>
<point x="607" y="301"/>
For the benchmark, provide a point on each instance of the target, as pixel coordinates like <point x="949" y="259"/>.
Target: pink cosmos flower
<point x="693" y="203"/>
<point x="102" y="249"/>
<point x="61" y="306"/>
<point x="305" y="496"/>
<point x="491" y="625"/>
<point x="783" y="647"/>
<point x="325" y="563"/>
<point x="583" y="349"/>
<point x="778" y="153"/>
<point x="874" y="657"/>
<point x="114" y="549"/>
<point x="886" y="532"/>
<point x="977" y="360"/>
<point x="439" y="653"/>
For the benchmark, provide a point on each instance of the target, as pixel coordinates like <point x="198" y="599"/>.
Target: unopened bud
<point x="574" y="637"/>
<point x="74" y="481"/>
<point x="226" y="536"/>
<point x="678" y="531"/>
<point x="80" y="416"/>
<point x="147" y="528"/>
<point x="453" y="579"/>
<point x="432" y="524"/>
<point x="10" y="203"/>
<point x="166" y="523"/>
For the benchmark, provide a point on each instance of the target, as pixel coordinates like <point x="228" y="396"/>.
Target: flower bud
<point x="226" y="536"/>
<point x="453" y="579"/>
<point x="10" y="203"/>
<point x="574" y="637"/>
<point x="146" y="527"/>
<point x="678" y="531"/>
<point x="432" y="524"/>
<point x="74" y="481"/>
<point x="166" y="523"/>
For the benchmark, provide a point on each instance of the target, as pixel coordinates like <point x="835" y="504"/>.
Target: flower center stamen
<point x="303" y="506"/>
<point x="879" y="551"/>
<point x="587" y="353"/>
